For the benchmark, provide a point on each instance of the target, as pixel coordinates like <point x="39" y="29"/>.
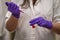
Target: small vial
<point x="33" y="26"/>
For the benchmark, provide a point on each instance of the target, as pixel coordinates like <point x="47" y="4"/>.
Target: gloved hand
<point x="40" y="21"/>
<point x="13" y="8"/>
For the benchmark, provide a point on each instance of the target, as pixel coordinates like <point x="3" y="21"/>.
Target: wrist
<point x="16" y="15"/>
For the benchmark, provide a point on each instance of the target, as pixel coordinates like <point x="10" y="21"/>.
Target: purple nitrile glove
<point x="40" y="21"/>
<point x="13" y="8"/>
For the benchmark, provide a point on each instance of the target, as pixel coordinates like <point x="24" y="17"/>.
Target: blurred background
<point x="4" y="34"/>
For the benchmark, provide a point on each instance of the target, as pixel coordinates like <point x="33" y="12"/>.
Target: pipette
<point x="31" y="5"/>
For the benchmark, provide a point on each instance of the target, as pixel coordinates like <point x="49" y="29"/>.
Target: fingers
<point x="42" y="23"/>
<point x="35" y="21"/>
<point x="11" y="5"/>
<point x="7" y="3"/>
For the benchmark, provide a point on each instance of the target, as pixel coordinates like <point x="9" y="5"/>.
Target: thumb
<point x="7" y="3"/>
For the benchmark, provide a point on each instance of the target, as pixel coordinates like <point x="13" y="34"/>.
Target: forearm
<point x="56" y="27"/>
<point x="12" y="23"/>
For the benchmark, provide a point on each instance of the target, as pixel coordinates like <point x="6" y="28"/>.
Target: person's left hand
<point x="40" y="21"/>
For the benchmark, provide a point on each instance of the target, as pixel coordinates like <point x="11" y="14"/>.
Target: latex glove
<point x="13" y="8"/>
<point x="40" y="21"/>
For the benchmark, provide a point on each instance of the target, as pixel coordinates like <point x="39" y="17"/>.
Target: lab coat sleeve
<point x="56" y="9"/>
<point x="7" y="34"/>
<point x="8" y="14"/>
<point x="3" y="11"/>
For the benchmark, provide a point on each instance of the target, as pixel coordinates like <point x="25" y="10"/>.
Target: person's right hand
<point x="13" y="8"/>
